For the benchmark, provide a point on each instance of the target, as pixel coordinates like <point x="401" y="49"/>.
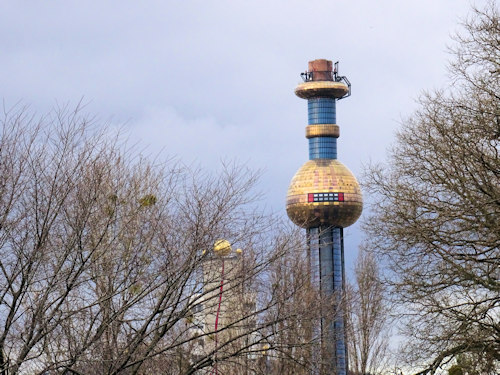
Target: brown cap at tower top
<point x="322" y="69"/>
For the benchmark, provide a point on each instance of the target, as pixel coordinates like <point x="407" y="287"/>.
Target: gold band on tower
<point x="322" y="130"/>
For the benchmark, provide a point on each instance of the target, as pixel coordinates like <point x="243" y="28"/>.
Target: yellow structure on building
<point x="226" y="309"/>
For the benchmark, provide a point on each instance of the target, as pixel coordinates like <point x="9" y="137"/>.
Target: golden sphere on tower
<point x="324" y="192"/>
<point x="222" y="247"/>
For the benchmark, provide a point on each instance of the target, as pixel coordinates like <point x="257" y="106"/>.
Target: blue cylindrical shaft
<point x="331" y="285"/>
<point x="322" y="111"/>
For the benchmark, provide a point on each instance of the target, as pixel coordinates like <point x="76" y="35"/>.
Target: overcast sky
<point x="211" y="80"/>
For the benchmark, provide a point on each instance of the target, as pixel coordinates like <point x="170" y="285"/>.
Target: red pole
<point x="217" y="318"/>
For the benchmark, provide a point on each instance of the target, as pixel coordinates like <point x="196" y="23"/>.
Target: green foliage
<point x="455" y="370"/>
<point x="148" y="200"/>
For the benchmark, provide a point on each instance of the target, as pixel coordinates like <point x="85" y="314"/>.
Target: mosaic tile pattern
<point x="321" y="111"/>
<point x="324" y="176"/>
<point x="323" y="148"/>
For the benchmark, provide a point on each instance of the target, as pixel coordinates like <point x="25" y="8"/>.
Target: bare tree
<point x="368" y="316"/>
<point x="436" y="208"/>
<point x="101" y="253"/>
<point x="292" y="341"/>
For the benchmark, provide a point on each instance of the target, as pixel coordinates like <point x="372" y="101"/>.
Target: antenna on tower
<point x="343" y="79"/>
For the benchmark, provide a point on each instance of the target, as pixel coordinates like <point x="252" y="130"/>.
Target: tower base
<point x="326" y="262"/>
